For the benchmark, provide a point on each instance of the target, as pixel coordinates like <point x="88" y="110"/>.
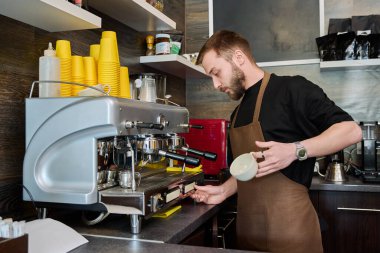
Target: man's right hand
<point x="208" y="194"/>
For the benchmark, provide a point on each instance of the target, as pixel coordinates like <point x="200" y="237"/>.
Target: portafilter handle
<point x="186" y="159"/>
<point x="207" y="155"/>
<point x="191" y="126"/>
<point x="196" y="126"/>
<point x="149" y="125"/>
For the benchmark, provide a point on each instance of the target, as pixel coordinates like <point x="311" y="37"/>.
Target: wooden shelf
<point x="50" y="15"/>
<point x="350" y="64"/>
<point x="137" y="14"/>
<point x="174" y="64"/>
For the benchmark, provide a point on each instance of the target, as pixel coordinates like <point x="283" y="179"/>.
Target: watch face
<point x="302" y="152"/>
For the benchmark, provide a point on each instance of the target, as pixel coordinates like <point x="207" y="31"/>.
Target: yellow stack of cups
<point x="94" y="52"/>
<point x="90" y="73"/>
<point x="125" y="89"/>
<point x="77" y="74"/>
<point x="109" y="63"/>
<point x="63" y="51"/>
<point x="112" y="35"/>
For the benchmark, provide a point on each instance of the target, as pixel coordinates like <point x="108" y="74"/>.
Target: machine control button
<point x="129" y="124"/>
<point x="162" y="120"/>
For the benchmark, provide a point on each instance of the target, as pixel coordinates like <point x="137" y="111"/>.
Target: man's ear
<point x="239" y="57"/>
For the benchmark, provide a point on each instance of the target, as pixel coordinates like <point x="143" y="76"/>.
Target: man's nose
<point x="216" y="83"/>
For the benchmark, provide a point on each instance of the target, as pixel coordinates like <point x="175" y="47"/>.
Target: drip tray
<point x="152" y="179"/>
<point x="147" y="172"/>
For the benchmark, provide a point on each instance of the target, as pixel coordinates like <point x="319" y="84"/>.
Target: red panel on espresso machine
<point x="212" y="138"/>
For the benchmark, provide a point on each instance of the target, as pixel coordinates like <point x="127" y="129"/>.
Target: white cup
<point x="244" y="167"/>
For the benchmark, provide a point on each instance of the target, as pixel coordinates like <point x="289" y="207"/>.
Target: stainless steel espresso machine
<point x="108" y="155"/>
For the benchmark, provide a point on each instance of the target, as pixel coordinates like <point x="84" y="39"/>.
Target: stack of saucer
<point x="63" y="50"/>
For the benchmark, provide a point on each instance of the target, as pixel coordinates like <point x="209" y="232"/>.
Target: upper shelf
<point x="50" y="15"/>
<point x="137" y="14"/>
<point x="174" y="64"/>
<point x="350" y="64"/>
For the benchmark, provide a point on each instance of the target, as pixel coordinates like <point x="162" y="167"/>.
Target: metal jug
<point x="335" y="172"/>
<point x="148" y="90"/>
<point x="148" y="87"/>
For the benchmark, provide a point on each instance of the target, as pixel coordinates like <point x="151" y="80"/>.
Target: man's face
<point x="226" y="76"/>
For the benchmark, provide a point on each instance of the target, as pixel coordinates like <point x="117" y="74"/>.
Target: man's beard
<point x="236" y="83"/>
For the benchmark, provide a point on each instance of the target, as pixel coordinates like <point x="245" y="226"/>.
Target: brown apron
<point x="275" y="214"/>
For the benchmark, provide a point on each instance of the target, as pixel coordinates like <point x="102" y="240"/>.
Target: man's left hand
<point x="276" y="156"/>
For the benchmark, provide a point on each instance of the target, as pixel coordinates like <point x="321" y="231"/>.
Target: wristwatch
<point x="301" y="151"/>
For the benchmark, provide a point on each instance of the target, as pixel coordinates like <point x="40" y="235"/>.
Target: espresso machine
<point x="370" y="145"/>
<point x="108" y="155"/>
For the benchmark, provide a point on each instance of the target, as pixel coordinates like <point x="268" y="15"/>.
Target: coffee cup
<point x="244" y="167"/>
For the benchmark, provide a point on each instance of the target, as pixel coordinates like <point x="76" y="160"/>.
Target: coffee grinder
<point x="370" y="145"/>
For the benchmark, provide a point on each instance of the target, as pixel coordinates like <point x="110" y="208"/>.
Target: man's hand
<point x="208" y="194"/>
<point x="277" y="156"/>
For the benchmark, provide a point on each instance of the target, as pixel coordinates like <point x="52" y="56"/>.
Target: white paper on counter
<point x="48" y="235"/>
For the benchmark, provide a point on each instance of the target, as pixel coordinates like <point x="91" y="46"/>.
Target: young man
<point x="286" y="122"/>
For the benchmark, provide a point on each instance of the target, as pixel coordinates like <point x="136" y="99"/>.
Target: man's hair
<point x="224" y="43"/>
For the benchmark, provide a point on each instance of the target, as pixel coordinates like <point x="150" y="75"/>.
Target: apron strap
<point x="259" y="100"/>
<point x="264" y="83"/>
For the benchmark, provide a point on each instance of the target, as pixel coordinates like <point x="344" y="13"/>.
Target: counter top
<point x="173" y="229"/>
<point x="157" y="234"/>
<point x="352" y="184"/>
<point x="111" y="245"/>
<point x="164" y="234"/>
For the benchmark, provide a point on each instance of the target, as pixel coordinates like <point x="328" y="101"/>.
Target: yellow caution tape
<point x="167" y="213"/>
<point x="187" y="169"/>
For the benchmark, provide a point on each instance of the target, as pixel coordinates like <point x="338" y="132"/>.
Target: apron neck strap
<point x="264" y="83"/>
<point x="259" y="100"/>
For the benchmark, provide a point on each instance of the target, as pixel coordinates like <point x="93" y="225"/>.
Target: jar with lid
<point x="162" y="44"/>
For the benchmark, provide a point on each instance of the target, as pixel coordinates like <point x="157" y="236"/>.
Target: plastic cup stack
<point x="112" y="35"/>
<point x="109" y="63"/>
<point x="77" y="74"/>
<point x="125" y="89"/>
<point x="63" y="51"/>
<point x="94" y="52"/>
<point x="90" y="73"/>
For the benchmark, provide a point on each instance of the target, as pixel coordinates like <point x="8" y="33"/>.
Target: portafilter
<point x="176" y="142"/>
<point x="153" y="146"/>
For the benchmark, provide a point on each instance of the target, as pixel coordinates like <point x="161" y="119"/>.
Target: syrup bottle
<point x="49" y="70"/>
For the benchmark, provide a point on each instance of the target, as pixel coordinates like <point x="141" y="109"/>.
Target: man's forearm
<point x="229" y="187"/>
<point x="335" y="138"/>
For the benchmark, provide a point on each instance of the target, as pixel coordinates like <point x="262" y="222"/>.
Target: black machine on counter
<point x="370" y="148"/>
<point x="77" y="147"/>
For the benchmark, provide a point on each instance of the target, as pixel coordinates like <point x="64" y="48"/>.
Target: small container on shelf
<point x="149" y="44"/>
<point x="158" y="4"/>
<point x="162" y="44"/>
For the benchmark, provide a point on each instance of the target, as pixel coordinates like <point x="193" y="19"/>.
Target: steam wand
<point x="132" y="155"/>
